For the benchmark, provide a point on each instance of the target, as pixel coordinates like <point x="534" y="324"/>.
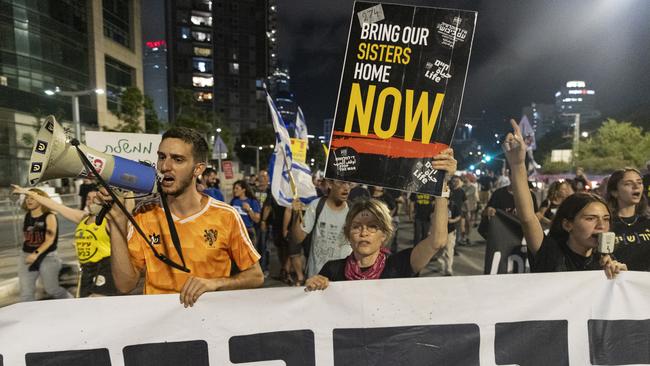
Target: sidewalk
<point x="468" y="262"/>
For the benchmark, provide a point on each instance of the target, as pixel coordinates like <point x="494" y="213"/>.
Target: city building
<point x="280" y="90"/>
<point x="63" y="46"/>
<point x="541" y="117"/>
<point x="218" y="51"/>
<point x="328" y="124"/>
<point x="576" y="98"/>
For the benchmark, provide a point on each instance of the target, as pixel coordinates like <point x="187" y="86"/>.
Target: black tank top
<point x="34" y="229"/>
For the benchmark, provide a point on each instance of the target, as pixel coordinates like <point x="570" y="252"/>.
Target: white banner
<point x="575" y="318"/>
<point x="132" y="146"/>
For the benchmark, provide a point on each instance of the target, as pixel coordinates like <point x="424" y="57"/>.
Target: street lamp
<point x="257" y="153"/>
<point x="75" y="104"/>
<point x="576" y="133"/>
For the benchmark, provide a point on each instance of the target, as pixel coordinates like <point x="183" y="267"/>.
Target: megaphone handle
<point x="100" y="217"/>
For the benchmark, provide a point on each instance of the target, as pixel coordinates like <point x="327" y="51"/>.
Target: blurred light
<point x="99" y="91"/>
<point x="243" y="146"/>
<point x="585" y="134"/>
<point x="218" y="130"/>
<point x="479" y="153"/>
<point x="259" y="147"/>
<point x="50" y="92"/>
<point x="488" y="158"/>
<point x="478" y="171"/>
<point x="575" y="84"/>
<point x="471" y="153"/>
<point x="271" y="146"/>
<point x="472" y="167"/>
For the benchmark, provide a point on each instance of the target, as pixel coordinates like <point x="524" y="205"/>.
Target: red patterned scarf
<point x="354" y="272"/>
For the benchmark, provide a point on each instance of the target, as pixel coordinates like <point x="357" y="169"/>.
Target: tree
<point x="130" y="110"/>
<point x="188" y="114"/>
<point x="614" y="145"/>
<point x="152" y="123"/>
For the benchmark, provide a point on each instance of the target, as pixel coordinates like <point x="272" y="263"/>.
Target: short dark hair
<point x="192" y="137"/>
<point x="209" y="171"/>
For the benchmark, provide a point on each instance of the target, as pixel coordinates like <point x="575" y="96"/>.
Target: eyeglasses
<point x="356" y="228"/>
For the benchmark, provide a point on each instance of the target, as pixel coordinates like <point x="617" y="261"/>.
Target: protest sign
<point x="577" y="318"/>
<point x="400" y="94"/>
<point x="132" y="146"/>
<point x="299" y="149"/>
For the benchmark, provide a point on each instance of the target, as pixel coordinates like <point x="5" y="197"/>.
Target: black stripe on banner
<point x="619" y="342"/>
<point x="94" y="357"/>
<point x="294" y="347"/>
<point x="421" y="345"/>
<point x="193" y="353"/>
<point x="532" y="343"/>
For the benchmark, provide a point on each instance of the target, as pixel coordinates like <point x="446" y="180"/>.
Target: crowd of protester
<point x="348" y="233"/>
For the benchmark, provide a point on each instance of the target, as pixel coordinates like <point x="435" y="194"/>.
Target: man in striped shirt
<point x="211" y="233"/>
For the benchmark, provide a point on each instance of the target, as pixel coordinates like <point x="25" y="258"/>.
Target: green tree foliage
<point x="188" y="114"/>
<point x="131" y="108"/>
<point x="614" y="145"/>
<point x="261" y="136"/>
<point x="152" y="123"/>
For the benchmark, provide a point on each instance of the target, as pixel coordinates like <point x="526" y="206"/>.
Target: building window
<point x="233" y="68"/>
<point x="203" y="65"/>
<point x="118" y="77"/>
<point x="117" y="17"/>
<point x="202" y="81"/>
<point x="205" y="5"/>
<point x="203" y="96"/>
<point x="185" y="33"/>
<point x="202" y="20"/>
<point x="202" y="36"/>
<point x="202" y="51"/>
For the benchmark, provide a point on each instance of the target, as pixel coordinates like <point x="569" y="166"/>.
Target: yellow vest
<point x="92" y="241"/>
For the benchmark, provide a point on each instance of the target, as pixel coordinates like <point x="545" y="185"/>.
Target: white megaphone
<point x="54" y="157"/>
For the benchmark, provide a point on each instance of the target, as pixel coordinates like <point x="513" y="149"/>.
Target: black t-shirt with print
<point x="398" y="265"/>
<point x="633" y="243"/>
<point x="423" y="205"/>
<point x="553" y="256"/>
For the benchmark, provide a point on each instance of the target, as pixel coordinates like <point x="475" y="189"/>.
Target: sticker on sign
<point x="371" y="15"/>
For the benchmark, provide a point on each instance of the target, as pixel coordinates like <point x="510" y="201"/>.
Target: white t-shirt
<point x="328" y="242"/>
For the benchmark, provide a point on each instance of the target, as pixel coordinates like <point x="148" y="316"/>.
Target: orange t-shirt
<point x="209" y="239"/>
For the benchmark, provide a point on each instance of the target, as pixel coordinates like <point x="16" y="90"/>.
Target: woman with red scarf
<point x="368" y="228"/>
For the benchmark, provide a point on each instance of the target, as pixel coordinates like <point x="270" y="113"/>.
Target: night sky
<point x="523" y="52"/>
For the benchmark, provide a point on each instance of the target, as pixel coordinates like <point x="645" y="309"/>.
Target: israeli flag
<point x="282" y="167"/>
<point x="301" y="126"/>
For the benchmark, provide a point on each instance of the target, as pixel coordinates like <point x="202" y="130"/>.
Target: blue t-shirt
<point x="238" y="203"/>
<point x="214" y="193"/>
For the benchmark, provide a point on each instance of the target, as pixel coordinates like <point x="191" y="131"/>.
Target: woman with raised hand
<point x="368" y="228"/>
<point x="573" y="236"/>
<point x="631" y="221"/>
<point x="39" y="256"/>
<point x="92" y="242"/>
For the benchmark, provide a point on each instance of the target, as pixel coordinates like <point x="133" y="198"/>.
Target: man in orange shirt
<point x="211" y="233"/>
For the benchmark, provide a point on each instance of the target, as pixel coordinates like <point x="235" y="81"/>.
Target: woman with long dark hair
<point x="247" y="205"/>
<point x="558" y="191"/>
<point x="573" y="237"/>
<point x="39" y="256"/>
<point x="631" y="221"/>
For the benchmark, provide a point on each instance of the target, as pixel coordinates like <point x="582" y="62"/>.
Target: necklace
<point x="635" y="218"/>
